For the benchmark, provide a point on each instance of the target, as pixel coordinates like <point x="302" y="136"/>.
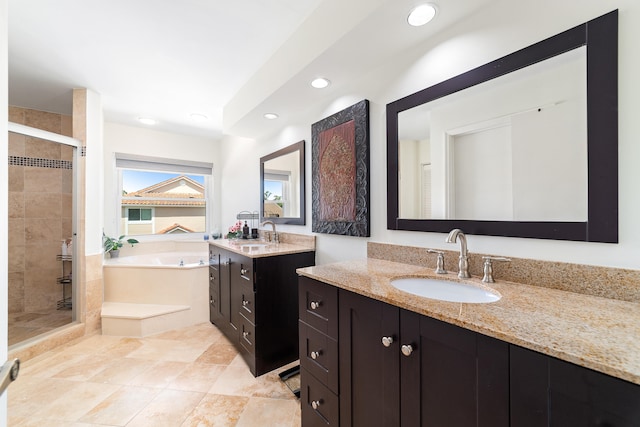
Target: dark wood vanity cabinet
<point x="400" y="368"/>
<point x="395" y="367"/>
<point x="546" y="391"/>
<point x="254" y="301"/>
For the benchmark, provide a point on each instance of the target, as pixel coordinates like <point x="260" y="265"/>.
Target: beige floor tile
<point x="237" y="380"/>
<point x="123" y="347"/>
<point x="197" y="377"/>
<point x="83" y="397"/>
<point x="95" y="344"/>
<point x="169" y="350"/>
<point x="119" y="408"/>
<point x="155" y="381"/>
<point x="216" y="411"/>
<point x="169" y="408"/>
<point x="268" y="412"/>
<point x="48" y="367"/>
<point x="219" y="353"/>
<point x="84" y="368"/>
<point x="28" y="394"/>
<point x="159" y="375"/>
<point x="122" y="370"/>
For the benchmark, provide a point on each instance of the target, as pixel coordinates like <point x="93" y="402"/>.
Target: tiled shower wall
<point x="40" y="210"/>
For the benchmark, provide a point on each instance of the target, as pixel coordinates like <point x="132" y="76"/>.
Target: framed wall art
<point x="340" y="172"/>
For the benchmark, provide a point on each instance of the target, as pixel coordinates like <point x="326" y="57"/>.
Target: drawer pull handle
<point x="315" y="304"/>
<point x="243" y="271"/>
<point x="316" y="404"/>
<point x="316" y="354"/>
<point x="407" y="349"/>
<point x="387" y="341"/>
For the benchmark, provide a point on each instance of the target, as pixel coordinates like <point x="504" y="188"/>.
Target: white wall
<point x="94" y="200"/>
<point x="136" y="140"/>
<point x="4" y="208"/>
<point x="494" y="32"/>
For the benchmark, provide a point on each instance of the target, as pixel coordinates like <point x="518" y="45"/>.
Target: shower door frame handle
<point x="8" y="374"/>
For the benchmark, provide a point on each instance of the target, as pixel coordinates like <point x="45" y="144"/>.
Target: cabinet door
<point x="546" y="391"/>
<point x="225" y="290"/>
<point x="369" y="370"/>
<point x="461" y="377"/>
<point x="214" y="284"/>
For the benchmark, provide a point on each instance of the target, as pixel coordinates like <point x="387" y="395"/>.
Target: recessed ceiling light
<point x="271" y="116"/>
<point x="197" y="117"/>
<point x="420" y="15"/>
<point x="320" y="83"/>
<point x="147" y="120"/>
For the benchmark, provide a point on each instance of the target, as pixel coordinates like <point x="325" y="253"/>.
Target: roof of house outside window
<point x="171" y="192"/>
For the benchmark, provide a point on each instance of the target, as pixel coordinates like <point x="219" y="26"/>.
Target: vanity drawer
<point x="214" y="297"/>
<point x="318" y="304"/>
<point x="319" y="355"/>
<point x="247" y="302"/>
<point x="319" y="406"/>
<point x="247" y="334"/>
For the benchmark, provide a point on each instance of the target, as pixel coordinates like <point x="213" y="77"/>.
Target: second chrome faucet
<point x="463" y="261"/>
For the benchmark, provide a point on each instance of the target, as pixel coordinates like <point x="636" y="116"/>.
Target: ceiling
<point x="166" y="59"/>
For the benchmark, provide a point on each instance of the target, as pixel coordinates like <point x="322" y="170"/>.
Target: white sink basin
<point x="445" y="290"/>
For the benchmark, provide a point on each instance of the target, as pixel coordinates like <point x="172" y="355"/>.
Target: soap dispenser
<point x="245" y="231"/>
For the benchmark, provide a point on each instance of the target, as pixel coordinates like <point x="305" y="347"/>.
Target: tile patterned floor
<point x="182" y="378"/>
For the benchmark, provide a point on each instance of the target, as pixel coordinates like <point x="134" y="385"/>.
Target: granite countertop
<point x="258" y="249"/>
<point x="598" y="333"/>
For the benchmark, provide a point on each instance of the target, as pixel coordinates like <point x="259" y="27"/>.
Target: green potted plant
<point x="113" y="245"/>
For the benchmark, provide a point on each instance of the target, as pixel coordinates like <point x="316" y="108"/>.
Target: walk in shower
<point x="41" y="230"/>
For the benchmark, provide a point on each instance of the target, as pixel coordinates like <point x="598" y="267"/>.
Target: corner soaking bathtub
<point x="169" y="287"/>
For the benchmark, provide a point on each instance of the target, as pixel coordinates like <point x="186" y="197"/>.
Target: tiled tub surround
<point x="596" y="332"/>
<point x="148" y="291"/>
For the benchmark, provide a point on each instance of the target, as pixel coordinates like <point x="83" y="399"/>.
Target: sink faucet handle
<point x="488" y="267"/>
<point x="439" y="262"/>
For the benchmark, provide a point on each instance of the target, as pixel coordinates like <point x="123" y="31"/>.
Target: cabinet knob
<point x="316" y="404"/>
<point x="316" y="354"/>
<point x="387" y="341"/>
<point x="211" y="300"/>
<point x="245" y="303"/>
<point x="407" y="349"/>
<point x="315" y="304"/>
<point x="245" y="334"/>
<point x="243" y="271"/>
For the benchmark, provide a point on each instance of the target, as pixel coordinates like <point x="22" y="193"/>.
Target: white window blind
<point x="134" y="161"/>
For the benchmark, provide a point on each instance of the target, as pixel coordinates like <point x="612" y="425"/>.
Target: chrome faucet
<point x="463" y="261"/>
<point x="273" y="228"/>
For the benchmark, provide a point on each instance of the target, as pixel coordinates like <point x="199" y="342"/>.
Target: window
<point x="277" y="189"/>
<point x="162" y="196"/>
<point x="137" y="215"/>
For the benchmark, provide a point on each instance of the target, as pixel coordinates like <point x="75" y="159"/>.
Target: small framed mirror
<point x="282" y="185"/>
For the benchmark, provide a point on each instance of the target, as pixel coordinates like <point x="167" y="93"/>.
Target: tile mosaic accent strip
<point x="40" y="163"/>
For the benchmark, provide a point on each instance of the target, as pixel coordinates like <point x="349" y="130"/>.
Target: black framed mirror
<point x="597" y="218"/>
<point x="282" y="185"/>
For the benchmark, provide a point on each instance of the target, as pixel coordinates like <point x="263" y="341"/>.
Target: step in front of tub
<point x="140" y="320"/>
